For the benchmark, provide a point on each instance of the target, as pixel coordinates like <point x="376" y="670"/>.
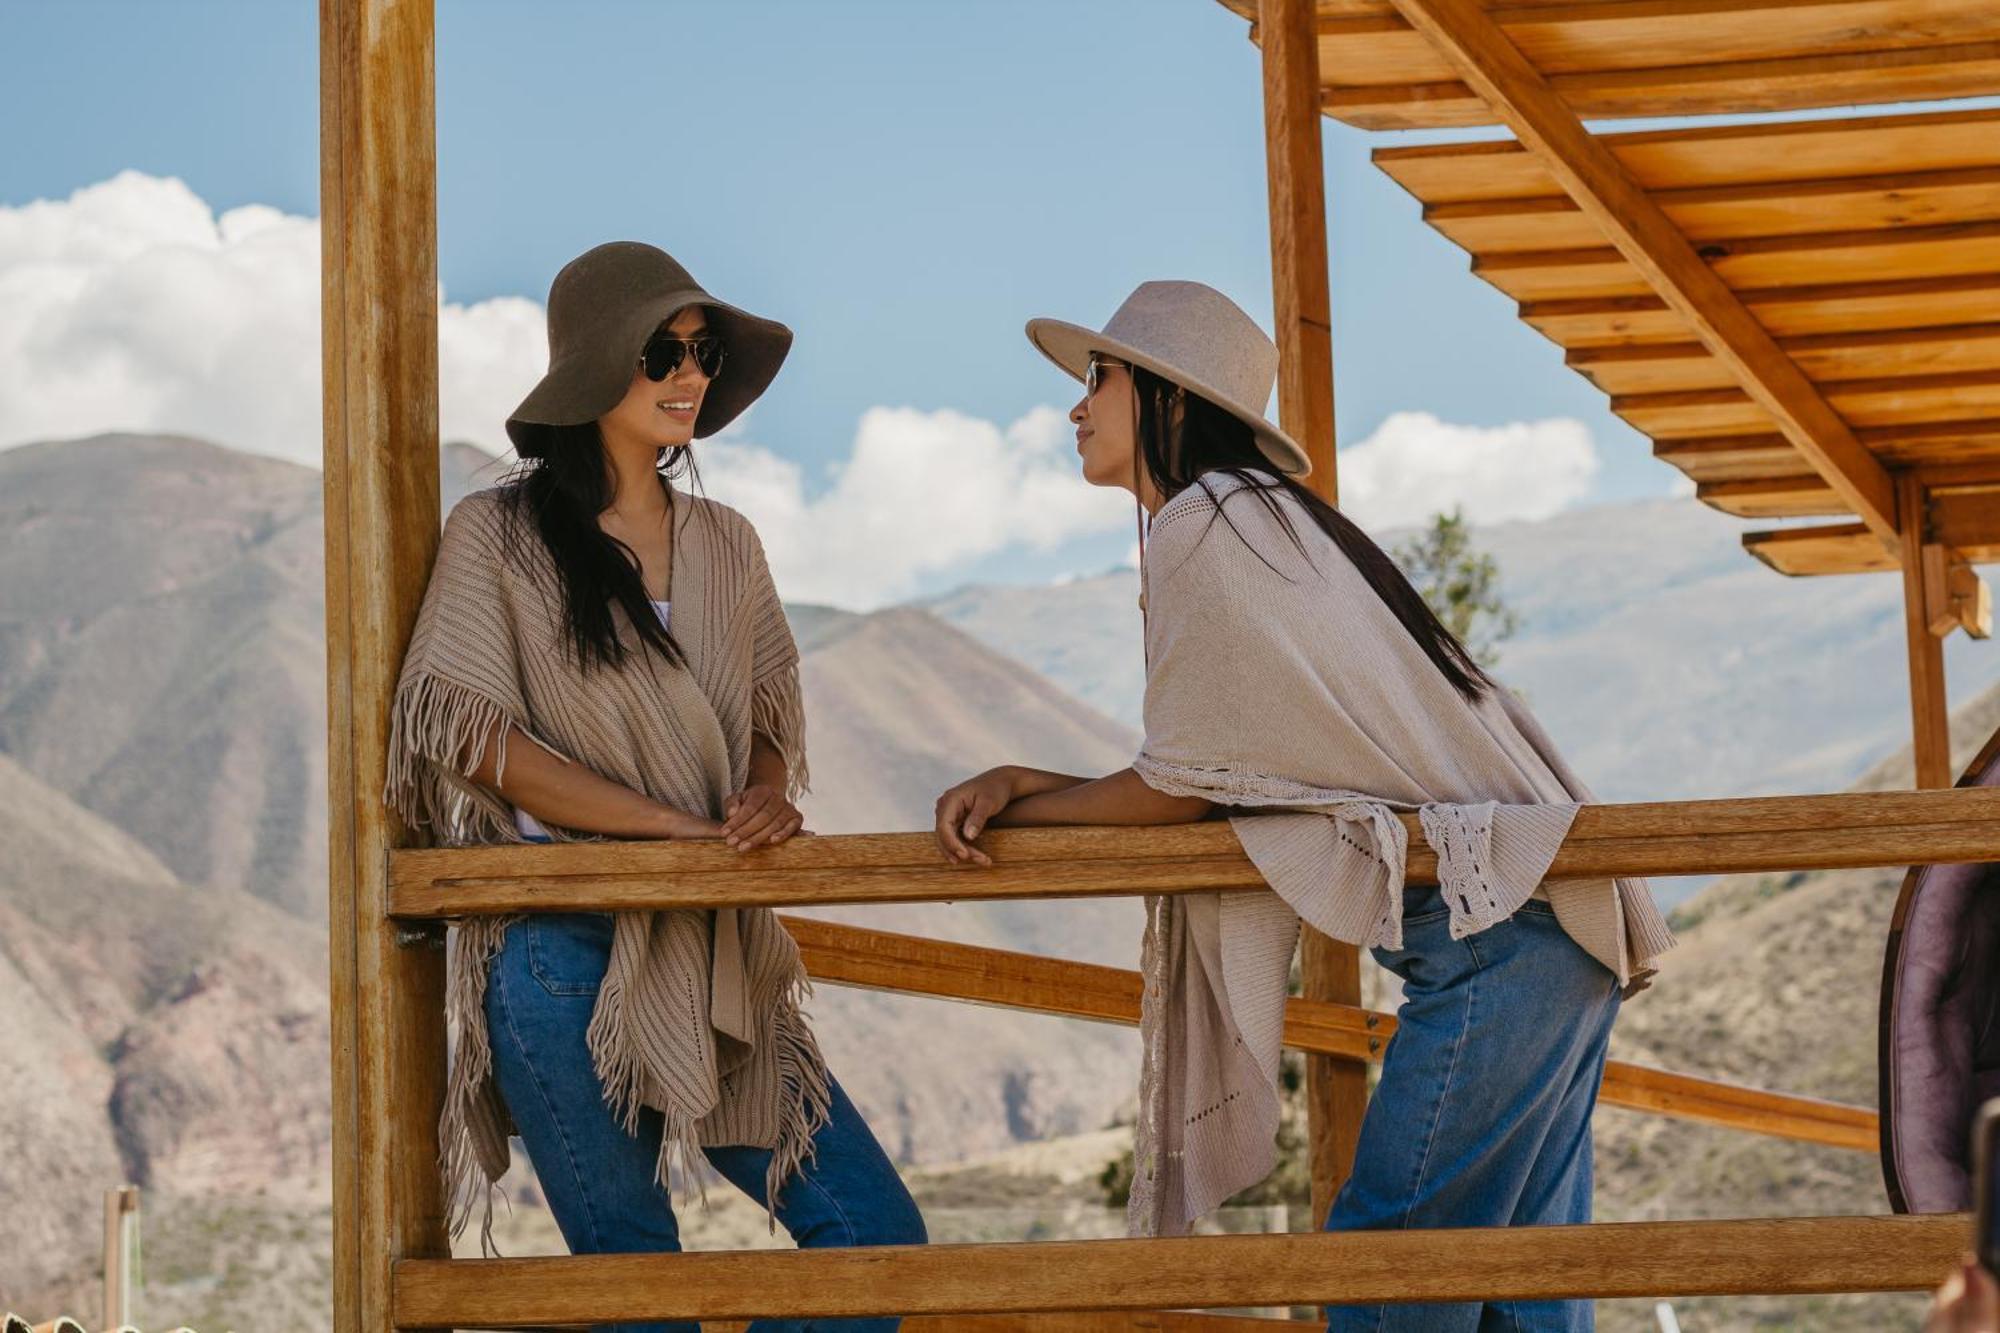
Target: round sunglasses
<point x="663" y="354"/>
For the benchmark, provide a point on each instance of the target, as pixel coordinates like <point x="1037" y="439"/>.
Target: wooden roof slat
<point x="1879" y="354"/>
<point x="1648" y="240"/>
<point x="1711" y="156"/>
<point x="1843" y="548"/>
<point x="1956" y="396"/>
<point x="1650" y="35"/>
<point x="1931" y="446"/>
<point x="1800" y="495"/>
<point x="1920" y="74"/>
<point x="1734" y="212"/>
<point x="1785" y="311"/>
<point x="1958" y="249"/>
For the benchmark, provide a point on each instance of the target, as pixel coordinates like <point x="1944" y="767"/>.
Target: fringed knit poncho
<point x="1277" y="682"/>
<point x="699" y="1013"/>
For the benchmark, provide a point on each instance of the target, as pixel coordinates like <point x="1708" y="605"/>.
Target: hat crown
<point x="595" y="291"/>
<point x="1202" y="333"/>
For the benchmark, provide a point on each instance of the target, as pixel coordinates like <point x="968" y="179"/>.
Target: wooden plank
<point x="1838" y="307"/>
<point x="1841" y="548"/>
<point x="1878" y="354"/>
<point x="1779" y="1256"/>
<point x="911" y="965"/>
<point x="1762" y="263"/>
<point x="1964" y="516"/>
<point x="1644" y="36"/>
<point x="1804" y="495"/>
<point x="1735" y="212"/>
<point x="1845" y="548"/>
<point x="1929" y="717"/>
<point x="1330" y="970"/>
<point x="1621" y="208"/>
<point x="1087" y="1321"/>
<point x="379" y="349"/>
<point x="1711" y="156"/>
<point x="1299" y="274"/>
<point x="1662" y="838"/>
<point x="1895" y="401"/>
<point x="1965" y="450"/>
<point x="1922" y="74"/>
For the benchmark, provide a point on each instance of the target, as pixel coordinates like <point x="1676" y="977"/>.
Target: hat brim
<point x="1070" y="347"/>
<point x="584" y="388"/>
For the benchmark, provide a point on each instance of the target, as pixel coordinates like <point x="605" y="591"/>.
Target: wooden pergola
<point x="1801" y="316"/>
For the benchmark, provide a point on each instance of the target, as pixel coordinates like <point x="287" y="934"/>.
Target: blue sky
<point x="904" y="181"/>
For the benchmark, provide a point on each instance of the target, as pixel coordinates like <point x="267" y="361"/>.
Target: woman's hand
<point x="759" y="816"/>
<point x="964" y="811"/>
<point x="1968" y="1302"/>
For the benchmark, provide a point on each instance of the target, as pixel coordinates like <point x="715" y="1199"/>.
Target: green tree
<point x="1461" y="583"/>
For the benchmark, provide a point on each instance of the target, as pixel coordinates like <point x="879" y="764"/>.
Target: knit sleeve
<point x="460" y="685"/>
<point x="777" y="705"/>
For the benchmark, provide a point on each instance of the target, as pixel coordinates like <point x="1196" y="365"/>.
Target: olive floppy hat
<point x="603" y="307"/>
<point x="1194" y="336"/>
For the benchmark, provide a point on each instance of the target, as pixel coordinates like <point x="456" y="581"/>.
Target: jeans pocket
<point x="567" y="954"/>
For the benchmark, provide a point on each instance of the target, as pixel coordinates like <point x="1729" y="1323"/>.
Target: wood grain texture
<point x="1336" y="1088"/>
<point x="1929" y="717"/>
<point x="379" y="348"/>
<point x="1616" y="1259"/>
<point x="1663" y="838"/>
<point x="1824" y="307"/>
<point x="1766" y="155"/>
<point x="1647" y="240"/>
<point x="910" y="965"/>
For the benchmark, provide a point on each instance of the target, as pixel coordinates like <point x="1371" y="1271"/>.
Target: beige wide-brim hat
<point x="603" y="307"/>
<point x="1194" y="336"/>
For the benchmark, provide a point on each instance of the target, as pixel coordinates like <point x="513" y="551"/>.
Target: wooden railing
<point x="914" y="965"/>
<point x="1774" y="1256"/>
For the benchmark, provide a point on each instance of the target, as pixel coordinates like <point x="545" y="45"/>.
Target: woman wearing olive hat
<point x="1297" y="680"/>
<point x="602" y="654"/>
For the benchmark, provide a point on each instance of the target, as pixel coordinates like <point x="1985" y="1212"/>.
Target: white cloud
<point x="921" y="492"/>
<point x="1415" y="466"/>
<point x="131" y="306"/>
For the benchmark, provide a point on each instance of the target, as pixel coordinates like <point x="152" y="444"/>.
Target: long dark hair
<point x="559" y="494"/>
<point x="1183" y="440"/>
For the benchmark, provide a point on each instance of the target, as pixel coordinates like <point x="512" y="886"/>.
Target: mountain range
<point x="163" y="826"/>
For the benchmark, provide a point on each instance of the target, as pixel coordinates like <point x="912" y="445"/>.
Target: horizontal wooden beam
<point x="1842" y="548"/>
<point x="1663" y="838"/>
<point x="1833" y="307"/>
<point x="1764" y="1256"/>
<point x="1922" y="74"/>
<point x="1735" y="211"/>
<point x="912" y="965"/>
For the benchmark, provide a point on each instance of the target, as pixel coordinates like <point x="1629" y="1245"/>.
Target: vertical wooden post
<point x="378" y="202"/>
<point x="1930" y="720"/>
<point x="1336" y="1089"/>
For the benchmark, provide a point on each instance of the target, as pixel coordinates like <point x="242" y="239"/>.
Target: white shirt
<point x="530" y="827"/>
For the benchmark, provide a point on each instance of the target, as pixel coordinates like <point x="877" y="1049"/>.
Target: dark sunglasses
<point x="663" y="354"/>
<point x="1093" y="372"/>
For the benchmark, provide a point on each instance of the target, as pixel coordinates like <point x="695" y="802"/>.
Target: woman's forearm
<point x="556" y="791"/>
<point x="767" y="764"/>
<point x="1121" y="798"/>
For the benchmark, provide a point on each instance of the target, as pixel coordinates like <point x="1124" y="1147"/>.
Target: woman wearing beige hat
<point x="1296" y="681"/>
<point x="601" y="654"/>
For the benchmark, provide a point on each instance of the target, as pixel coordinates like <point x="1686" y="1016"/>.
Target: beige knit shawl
<point x="1290" y="688"/>
<point x="699" y="1013"/>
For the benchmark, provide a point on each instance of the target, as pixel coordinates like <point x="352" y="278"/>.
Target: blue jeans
<point x="1482" y="1115"/>
<point x="598" y="1179"/>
